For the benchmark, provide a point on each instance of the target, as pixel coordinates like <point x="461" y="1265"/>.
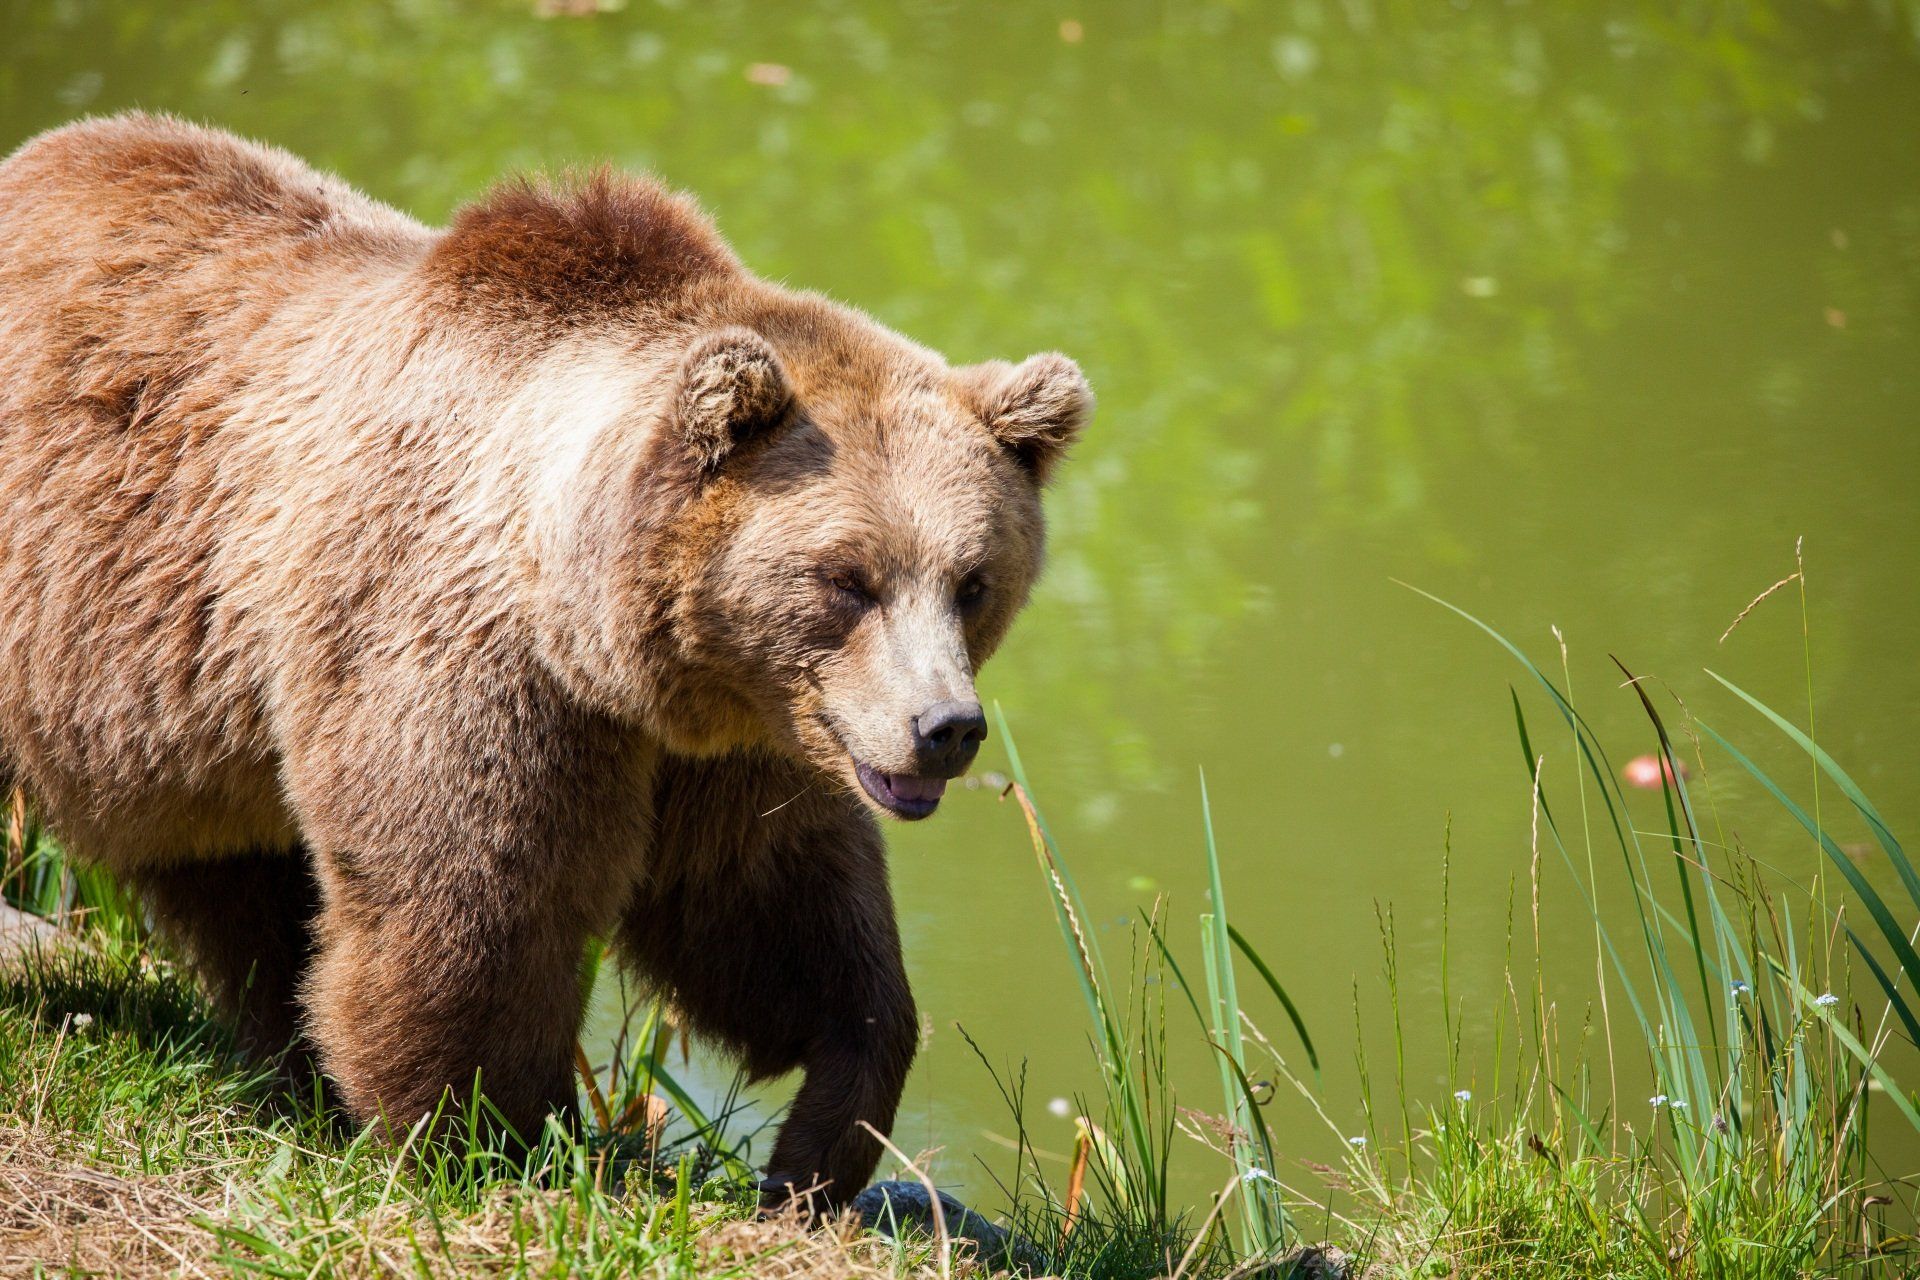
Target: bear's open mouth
<point x="901" y="794"/>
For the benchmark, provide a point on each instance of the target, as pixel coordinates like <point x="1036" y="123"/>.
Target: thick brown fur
<point x="396" y="609"/>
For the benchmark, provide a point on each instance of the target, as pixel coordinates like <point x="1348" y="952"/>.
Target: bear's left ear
<point x="1035" y="408"/>
<point x="731" y="387"/>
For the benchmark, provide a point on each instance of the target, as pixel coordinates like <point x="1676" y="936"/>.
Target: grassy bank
<point x="1715" y="1106"/>
<point x="132" y="1142"/>
<point x="1707" y="1108"/>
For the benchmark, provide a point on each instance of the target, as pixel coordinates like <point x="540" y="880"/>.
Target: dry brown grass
<point x="127" y="1148"/>
<point x="60" y="1212"/>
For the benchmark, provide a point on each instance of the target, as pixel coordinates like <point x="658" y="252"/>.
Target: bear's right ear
<point x="731" y="387"/>
<point x="1036" y="409"/>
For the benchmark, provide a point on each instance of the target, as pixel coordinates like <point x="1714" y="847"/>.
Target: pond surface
<point x="1576" y="315"/>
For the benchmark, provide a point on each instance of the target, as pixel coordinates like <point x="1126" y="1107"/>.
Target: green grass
<point x="1710" y="1114"/>
<point x="1716" y="1106"/>
<point x="133" y="1142"/>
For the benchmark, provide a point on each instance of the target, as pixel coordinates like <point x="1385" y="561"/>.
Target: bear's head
<point x="825" y="534"/>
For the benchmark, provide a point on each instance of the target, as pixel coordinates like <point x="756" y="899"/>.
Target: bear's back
<point x="131" y="246"/>
<point x="172" y="191"/>
<point x="141" y="262"/>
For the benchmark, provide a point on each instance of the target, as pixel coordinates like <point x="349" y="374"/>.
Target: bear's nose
<point x="947" y="736"/>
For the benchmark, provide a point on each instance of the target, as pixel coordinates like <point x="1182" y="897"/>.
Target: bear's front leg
<point x="768" y="917"/>
<point x="856" y="1066"/>
<point x="466" y="846"/>
<point x="410" y="1005"/>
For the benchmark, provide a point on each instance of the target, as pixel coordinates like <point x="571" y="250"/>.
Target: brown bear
<point x="396" y="609"/>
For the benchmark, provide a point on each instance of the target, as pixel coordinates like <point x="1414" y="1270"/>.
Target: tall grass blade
<point x="1526" y="749"/>
<point x="1876" y="907"/>
<point x="1280" y="994"/>
<point x="1667" y="994"/>
<point x="1066" y="896"/>
<point x="1264" y="1220"/>
<point x="1592" y="753"/>
<point x="1888" y="985"/>
<point x="1848" y="787"/>
<point x="1865" y="1056"/>
<point x="1146" y="1163"/>
<point x="1673" y="785"/>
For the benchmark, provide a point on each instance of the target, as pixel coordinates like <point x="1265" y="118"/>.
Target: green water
<point x="1574" y="314"/>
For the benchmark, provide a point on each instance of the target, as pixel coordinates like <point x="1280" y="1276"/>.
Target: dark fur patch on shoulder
<point x="572" y="250"/>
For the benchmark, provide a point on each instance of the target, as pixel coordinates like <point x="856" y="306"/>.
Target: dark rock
<point x="1317" y="1262"/>
<point x="897" y="1209"/>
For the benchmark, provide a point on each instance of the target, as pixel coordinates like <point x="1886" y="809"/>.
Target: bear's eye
<point x="971" y="591"/>
<point x="850" y="585"/>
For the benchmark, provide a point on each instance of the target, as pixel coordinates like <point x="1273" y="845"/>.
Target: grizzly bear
<point x="398" y="609"/>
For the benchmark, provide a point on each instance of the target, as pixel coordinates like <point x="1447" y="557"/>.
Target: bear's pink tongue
<point x="921" y="789"/>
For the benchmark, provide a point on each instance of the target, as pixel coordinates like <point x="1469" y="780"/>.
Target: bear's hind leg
<point x="244" y="925"/>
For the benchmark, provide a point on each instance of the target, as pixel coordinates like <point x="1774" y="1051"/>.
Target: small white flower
<point x="1740" y="988"/>
<point x="1463" y="1095"/>
<point x="1255" y="1175"/>
<point x="1356" y="1142"/>
<point x="1060" y="1107"/>
<point x="1657" y="1101"/>
<point x="81" y="1021"/>
<point x="1827" y="1000"/>
<point x="1678" y="1104"/>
